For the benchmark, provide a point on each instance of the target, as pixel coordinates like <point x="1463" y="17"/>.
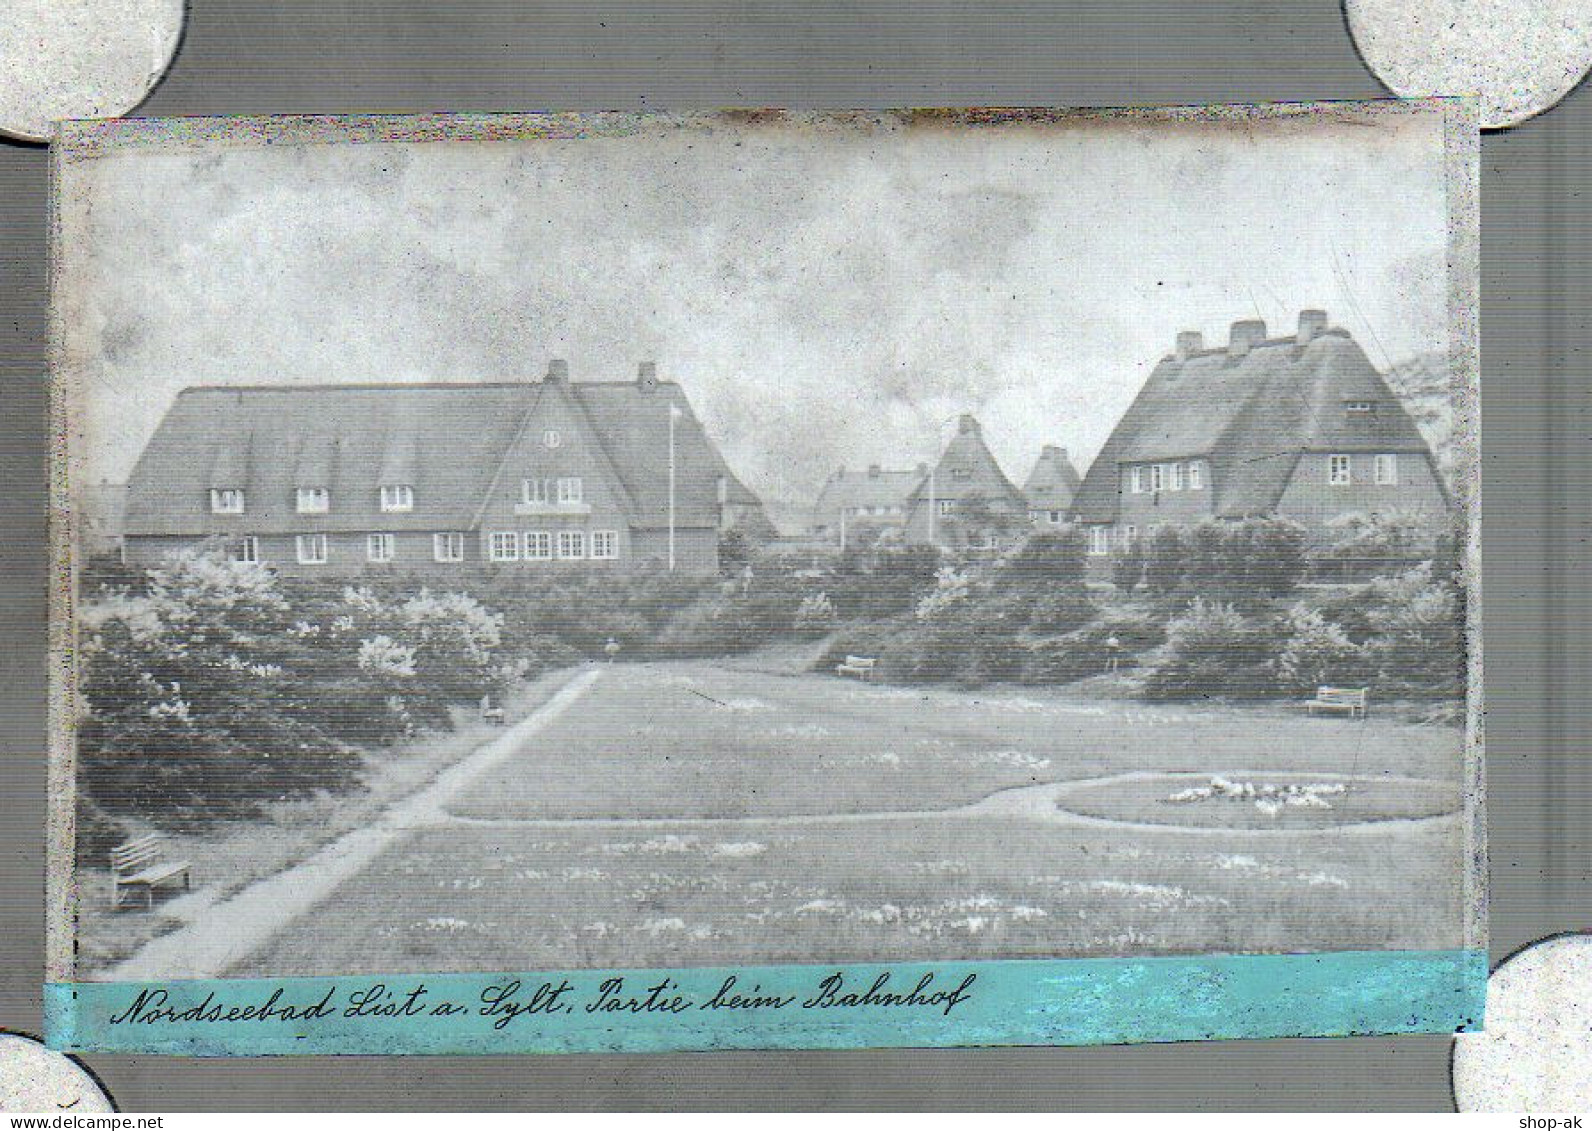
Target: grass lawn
<point x="906" y="888"/>
<point x="759" y="861"/>
<point x="698" y="740"/>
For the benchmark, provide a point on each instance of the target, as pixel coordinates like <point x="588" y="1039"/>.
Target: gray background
<point x="360" y="55"/>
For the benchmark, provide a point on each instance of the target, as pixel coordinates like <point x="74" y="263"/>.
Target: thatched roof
<point x="1251" y="413"/>
<point x="1053" y="482"/>
<point x="447" y="441"/>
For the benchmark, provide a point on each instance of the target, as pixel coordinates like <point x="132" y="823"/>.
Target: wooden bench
<point x="859" y="666"/>
<point x="491" y="714"/>
<point x="1349" y="699"/>
<point x="140" y="865"/>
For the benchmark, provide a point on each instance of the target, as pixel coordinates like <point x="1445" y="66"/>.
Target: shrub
<point x="1418" y="636"/>
<point x="211" y="690"/>
<point x="1213" y="650"/>
<point x="951" y="587"/>
<point x="1165" y="559"/>
<point x="1127" y="567"/>
<point x="1047" y="559"/>
<point x="1318" y="651"/>
<point x="1393" y="533"/>
<point x="1272" y="553"/>
<point x="1085" y="652"/>
<point x="1061" y="610"/>
<point x="815" y="615"/>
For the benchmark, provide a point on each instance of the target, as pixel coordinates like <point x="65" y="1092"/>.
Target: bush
<point x="1061" y="611"/>
<point x="1418" y="635"/>
<point x="1272" y="553"/>
<point x="1214" y="650"/>
<point x="1085" y="652"/>
<point x="1165" y="559"/>
<point x="1394" y="533"/>
<point x="211" y="690"/>
<point x="1318" y="651"/>
<point x="1048" y="559"/>
<point x="815" y="615"/>
<point x="1127" y="567"/>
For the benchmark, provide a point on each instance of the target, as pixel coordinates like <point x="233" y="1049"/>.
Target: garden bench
<point x="1349" y="699"/>
<point x="140" y="865"/>
<point x="859" y="666"/>
<point x="491" y="714"/>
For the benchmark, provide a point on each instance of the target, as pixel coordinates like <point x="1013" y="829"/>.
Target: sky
<point x="827" y="296"/>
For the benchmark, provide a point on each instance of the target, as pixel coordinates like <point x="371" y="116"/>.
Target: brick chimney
<point x="873" y="471"/>
<point x="1244" y="336"/>
<point x="647" y="376"/>
<point x="1188" y="342"/>
<point x="967" y="423"/>
<point x="1053" y="451"/>
<point x="557" y="370"/>
<point x="1311" y="325"/>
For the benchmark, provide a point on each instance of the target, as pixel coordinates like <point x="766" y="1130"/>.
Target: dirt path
<point x="232" y="929"/>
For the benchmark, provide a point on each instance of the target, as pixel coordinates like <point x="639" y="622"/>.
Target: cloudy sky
<point x="826" y="296"/>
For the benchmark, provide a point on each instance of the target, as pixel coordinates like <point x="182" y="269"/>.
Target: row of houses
<point x="432" y="477"/>
<point x="1300" y="426"/>
<point x="328" y="478"/>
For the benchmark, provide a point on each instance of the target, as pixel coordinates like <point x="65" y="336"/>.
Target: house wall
<point x="574" y="453"/>
<point x="696" y="549"/>
<point x="1313" y="502"/>
<point x="1151" y="508"/>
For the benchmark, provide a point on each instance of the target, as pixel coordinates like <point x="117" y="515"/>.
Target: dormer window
<point x="226" y="500"/>
<point x="314" y="500"/>
<point x="398" y="498"/>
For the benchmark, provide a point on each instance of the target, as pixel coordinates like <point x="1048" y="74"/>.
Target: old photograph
<point x="532" y="543"/>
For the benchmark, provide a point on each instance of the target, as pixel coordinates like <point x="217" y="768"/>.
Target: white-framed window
<point x="947" y="506"/>
<point x="551" y="438"/>
<point x="572" y="543"/>
<point x="1177" y="476"/>
<point x="448" y="547"/>
<point x="1099" y="540"/>
<point x="379" y="547"/>
<point x="604" y="544"/>
<point x="1054" y="517"/>
<point x="1339" y="471"/>
<point x="569" y="489"/>
<point x="226" y="500"/>
<point x="1387" y="470"/>
<point x="397" y="498"/>
<point x="1360" y="408"/>
<point x="311" y="549"/>
<point x="314" y="500"/>
<point x="503" y="546"/>
<point x="538" y="545"/>
<point x="1196" y="475"/>
<point x="537" y="490"/>
<point x="246" y="549"/>
<point x="1136" y="480"/>
<point x="1157" y="477"/>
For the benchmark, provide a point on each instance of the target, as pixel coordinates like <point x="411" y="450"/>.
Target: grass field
<point x="685" y="814"/>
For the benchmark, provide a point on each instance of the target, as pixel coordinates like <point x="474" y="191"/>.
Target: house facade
<point x="1300" y="427"/>
<point x="966" y="500"/>
<point x="1051" y="487"/>
<point x="435" y="477"/>
<point x="860" y="508"/>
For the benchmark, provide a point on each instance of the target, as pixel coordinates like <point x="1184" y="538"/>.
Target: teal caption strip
<point x="1068" y="1002"/>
